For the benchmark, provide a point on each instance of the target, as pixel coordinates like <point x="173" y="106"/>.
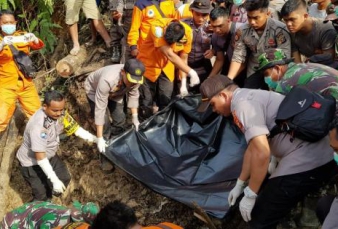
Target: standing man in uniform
<point x="223" y="41"/>
<point x="261" y="33"/>
<point x="199" y="57"/>
<point x="310" y="37"/>
<point x="122" y="11"/>
<point x="145" y="12"/>
<point x="40" y="165"/>
<point x="106" y="87"/>
<point x="302" y="168"/>
<point x="167" y="46"/>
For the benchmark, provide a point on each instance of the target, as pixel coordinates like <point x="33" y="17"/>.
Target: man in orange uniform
<point x="167" y="46"/>
<point x="144" y="14"/>
<point x="13" y="84"/>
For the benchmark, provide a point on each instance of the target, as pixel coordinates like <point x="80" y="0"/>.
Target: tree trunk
<point x="68" y="65"/>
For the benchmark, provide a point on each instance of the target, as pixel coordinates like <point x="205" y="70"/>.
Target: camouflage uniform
<point x="315" y="77"/>
<point x="39" y="215"/>
<point x="120" y="29"/>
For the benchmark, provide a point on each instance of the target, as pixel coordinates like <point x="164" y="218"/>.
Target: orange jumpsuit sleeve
<point x="134" y="32"/>
<point x="188" y="34"/>
<point x="37" y="46"/>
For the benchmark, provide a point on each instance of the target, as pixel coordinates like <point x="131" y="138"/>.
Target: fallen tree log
<point x="69" y="64"/>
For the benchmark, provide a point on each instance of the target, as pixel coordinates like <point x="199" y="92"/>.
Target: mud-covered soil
<point x="89" y="183"/>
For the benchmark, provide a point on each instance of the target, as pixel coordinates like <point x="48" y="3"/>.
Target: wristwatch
<point x="249" y="193"/>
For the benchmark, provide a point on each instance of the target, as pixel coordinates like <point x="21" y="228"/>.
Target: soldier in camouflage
<point x="122" y="11"/>
<point x="45" y="215"/>
<point x="281" y="74"/>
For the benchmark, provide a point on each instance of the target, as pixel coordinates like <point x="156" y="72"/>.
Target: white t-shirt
<point x="314" y="12"/>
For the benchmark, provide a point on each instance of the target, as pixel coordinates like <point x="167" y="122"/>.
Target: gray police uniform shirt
<point x="41" y="135"/>
<point x="218" y="42"/>
<point x="321" y="37"/>
<point x="249" y="45"/>
<point x="254" y="112"/>
<point x="106" y="83"/>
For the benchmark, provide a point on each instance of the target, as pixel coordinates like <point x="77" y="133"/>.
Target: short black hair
<point x="174" y="32"/>
<point x="52" y="96"/>
<point x="8" y="12"/>
<point x="115" y="215"/>
<point x="291" y="6"/>
<point x="252" y="5"/>
<point x="218" y="12"/>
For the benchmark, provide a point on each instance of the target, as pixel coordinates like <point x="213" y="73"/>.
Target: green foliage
<point x="36" y="17"/>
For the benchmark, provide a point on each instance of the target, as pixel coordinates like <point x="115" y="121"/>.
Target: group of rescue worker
<point x="164" y="49"/>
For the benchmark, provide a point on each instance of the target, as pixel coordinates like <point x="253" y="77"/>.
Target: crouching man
<point x="302" y="168"/>
<point x="106" y="87"/>
<point x="40" y="165"/>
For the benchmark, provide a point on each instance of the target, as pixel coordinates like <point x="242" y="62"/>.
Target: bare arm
<point x="235" y="69"/>
<point x="184" y="58"/>
<point x="175" y="59"/>
<point x="40" y="155"/>
<point x="218" y="64"/>
<point x="260" y="158"/>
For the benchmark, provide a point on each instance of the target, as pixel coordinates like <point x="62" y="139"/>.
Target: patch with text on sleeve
<point x="280" y="37"/>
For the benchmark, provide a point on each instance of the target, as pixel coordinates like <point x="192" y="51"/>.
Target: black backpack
<point x="24" y="63"/>
<point x="304" y="115"/>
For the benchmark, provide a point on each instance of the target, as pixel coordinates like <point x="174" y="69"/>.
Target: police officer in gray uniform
<point x="122" y="11"/>
<point x="199" y="57"/>
<point x="252" y="39"/>
<point x="40" y="165"/>
<point x="303" y="166"/>
<point x="106" y="87"/>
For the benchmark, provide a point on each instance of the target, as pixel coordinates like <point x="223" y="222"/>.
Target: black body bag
<point x="304" y="115"/>
<point x="24" y="63"/>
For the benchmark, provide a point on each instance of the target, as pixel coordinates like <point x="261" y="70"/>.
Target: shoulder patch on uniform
<point x="47" y="122"/>
<point x="150" y="13"/>
<point x="238" y="34"/>
<point x="280" y="37"/>
<point x="238" y="122"/>
<point x="158" y="32"/>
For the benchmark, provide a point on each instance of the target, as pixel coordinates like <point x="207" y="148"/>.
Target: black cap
<point x="211" y="87"/>
<point x="134" y="71"/>
<point x="201" y="6"/>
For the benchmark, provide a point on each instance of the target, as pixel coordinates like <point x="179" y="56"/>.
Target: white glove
<point x="194" y="79"/>
<point x="46" y="167"/>
<point x="101" y="145"/>
<point x="183" y="89"/>
<point x="272" y="165"/>
<point x="85" y="135"/>
<point x="247" y="203"/>
<point x="236" y="192"/>
<point x="30" y="37"/>
<point x="135" y="121"/>
<point x="5" y="41"/>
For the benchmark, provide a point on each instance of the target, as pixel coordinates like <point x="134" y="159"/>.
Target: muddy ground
<point x="89" y="183"/>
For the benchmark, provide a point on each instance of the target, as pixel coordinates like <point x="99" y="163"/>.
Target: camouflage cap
<point x="86" y="212"/>
<point x="271" y="58"/>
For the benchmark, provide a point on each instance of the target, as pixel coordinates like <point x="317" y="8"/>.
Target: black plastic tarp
<point x="184" y="155"/>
